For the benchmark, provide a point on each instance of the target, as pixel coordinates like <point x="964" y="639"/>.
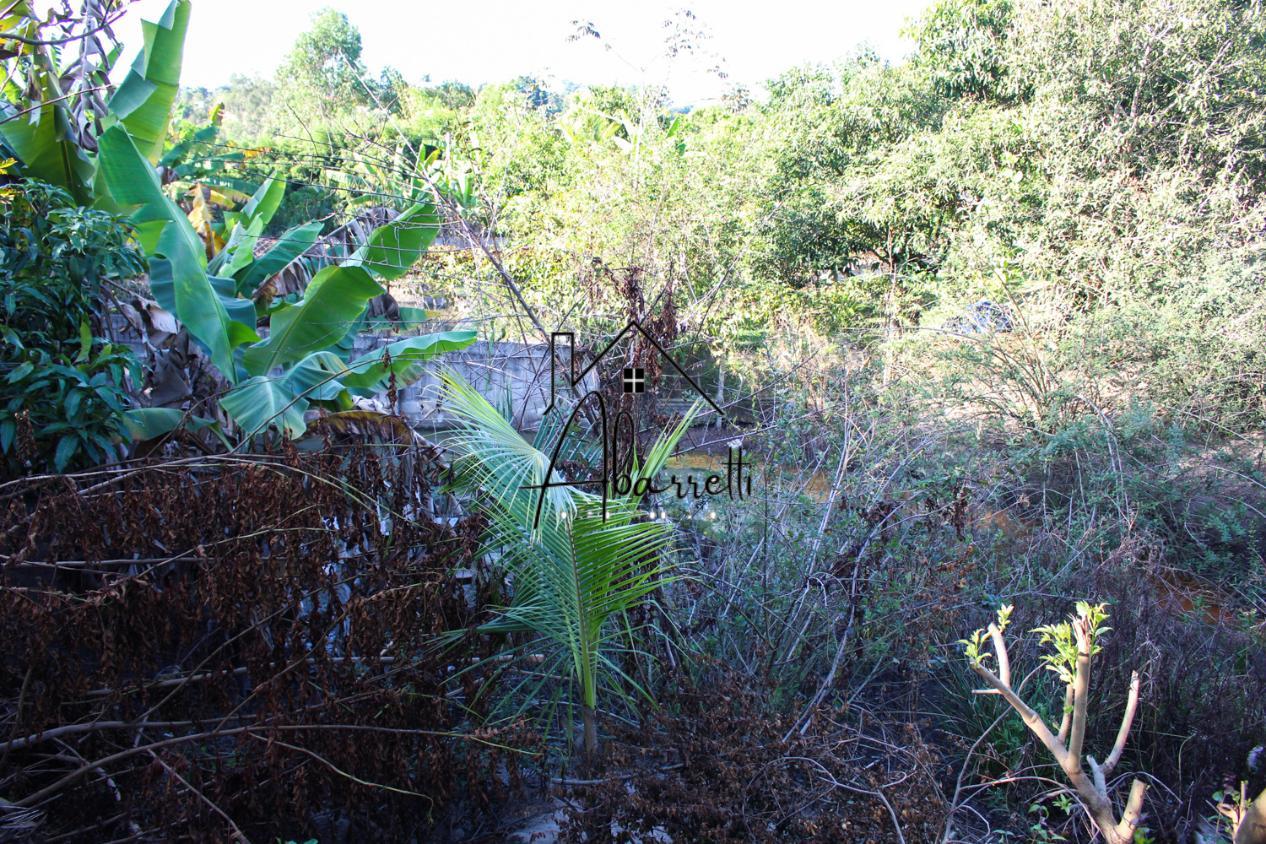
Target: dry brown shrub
<point x="710" y="765"/>
<point x="235" y="646"/>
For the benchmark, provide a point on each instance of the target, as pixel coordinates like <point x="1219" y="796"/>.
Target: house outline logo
<point x="734" y="478"/>
<point x="575" y="380"/>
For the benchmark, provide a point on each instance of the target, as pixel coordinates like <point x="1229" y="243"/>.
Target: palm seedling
<point x="576" y="565"/>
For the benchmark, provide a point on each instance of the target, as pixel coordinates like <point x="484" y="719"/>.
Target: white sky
<point x="496" y="40"/>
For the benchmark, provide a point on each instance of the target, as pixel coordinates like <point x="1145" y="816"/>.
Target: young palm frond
<point x="577" y="567"/>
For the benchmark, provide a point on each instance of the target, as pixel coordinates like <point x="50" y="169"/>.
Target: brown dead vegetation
<point x="234" y="648"/>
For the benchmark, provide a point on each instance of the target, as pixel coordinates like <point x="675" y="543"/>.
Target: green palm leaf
<point x="576" y="570"/>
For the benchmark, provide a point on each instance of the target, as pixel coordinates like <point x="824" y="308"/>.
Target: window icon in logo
<point x="634" y="380"/>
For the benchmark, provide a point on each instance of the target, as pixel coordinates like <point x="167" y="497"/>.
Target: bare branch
<point x="1030" y="717"/>
<point x="1004" y="660"/>
<point x="1127" y="719"/>
<point x="1133" y="810"/>
<point x="1066" y="722"/>
<point x="1081" y="689"/>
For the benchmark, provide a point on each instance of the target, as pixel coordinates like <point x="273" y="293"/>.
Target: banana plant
<point x="142" y="102"/>
<point x="299" y="364"/>
<point x="177" y="256"/>
<point x="46" y="136"/>
<point x="206" y="273"/>
<point x="271" y="378"/>
<point x="580" y="567"/>
<point x="276" y="378"/>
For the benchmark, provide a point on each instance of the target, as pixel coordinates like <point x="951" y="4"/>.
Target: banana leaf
<point x="165" y="232"/>
<point x="394" y="248"/>
<point x="331" y="306"/>
<point x="288" y="247"/>
<point x="318" y="377"/>
<point x="241" y="312"/>
<point x="368" y="374"/>
<point x="239" y="252"/>
<point x="143" y="101"/>
<point x="264" y="203"/>
<point x="148" y="423"/>
<point x="263" y="402"/>
<point x="41" y="141"/>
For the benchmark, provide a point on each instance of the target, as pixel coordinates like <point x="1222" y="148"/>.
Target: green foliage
<point x="1010" y="157"/>
<point x="70" y="414"/>
<point x="62" y="389"/>
<point x="165" y="233"/>
<point x="42" y="141"/>
<point x="142" y="102"/>
<point x="34" y="124"/>
<point x="44" y="134"/>
<point x="392" y="250"/>
<point x="325" y="63"/>
<point x="1096" y="167"/>
<point x="1061" y="640"/>
<point x="962" y="46"/>
<point x="262" y="402"/>
<point x="327" y="312"/>
<point x="206" y="276"/>
<point x="578" y="567"/>
<point x="973" y="646"/>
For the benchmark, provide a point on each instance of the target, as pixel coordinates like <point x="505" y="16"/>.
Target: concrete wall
<point x="512" y="376"/>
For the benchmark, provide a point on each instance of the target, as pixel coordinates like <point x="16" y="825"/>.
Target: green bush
<point x="62" y="394"/>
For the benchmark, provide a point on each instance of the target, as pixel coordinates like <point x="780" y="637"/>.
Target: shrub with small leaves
<point x="1062" y="657"/>
<point x="62" y="388"/>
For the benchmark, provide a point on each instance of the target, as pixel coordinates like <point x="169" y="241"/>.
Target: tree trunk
<point x="890" y="317"/>
<point x="590" y="736"/>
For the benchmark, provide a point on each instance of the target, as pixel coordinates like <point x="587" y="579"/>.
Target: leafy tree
<point x="455" y="95"/>
<point x="326" y="62"/>
<point x="962" y="47"/>
<point x="248" y="103"/>
<point x="538" y="94"/>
